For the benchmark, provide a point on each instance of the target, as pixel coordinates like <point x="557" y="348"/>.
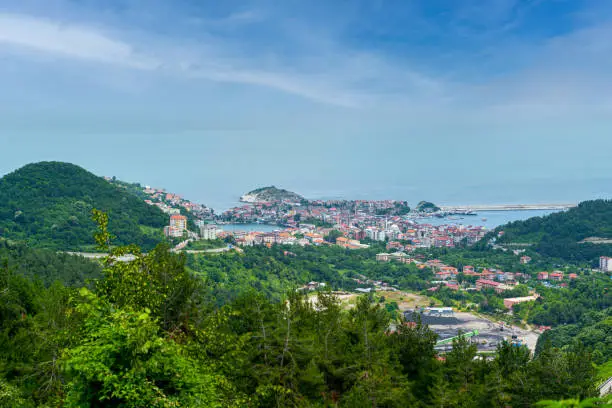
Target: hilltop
<point x="580" y="234"/>
<point x="48" y="204"/>
<point x="426" y="207"/>
<point x="269" y="194"/>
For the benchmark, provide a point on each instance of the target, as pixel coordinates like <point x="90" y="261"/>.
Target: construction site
<point x="486" y="334"/>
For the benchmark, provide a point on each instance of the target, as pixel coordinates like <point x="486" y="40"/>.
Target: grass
<point x="206" y="244"/>
<point x="604" y="371"/>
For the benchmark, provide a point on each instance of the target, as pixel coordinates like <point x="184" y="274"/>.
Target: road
<point x="489" y="331"/>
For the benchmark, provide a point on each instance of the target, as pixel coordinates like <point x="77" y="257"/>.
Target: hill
<point x="269" y="194"/>
<point x="46" y="266"/>
<point x="426" y="207"/>
<point x="580" y="234"/>
<point x="49" y="204"/>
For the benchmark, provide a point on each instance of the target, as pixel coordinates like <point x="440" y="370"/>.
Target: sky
<point x="454" y="101"/>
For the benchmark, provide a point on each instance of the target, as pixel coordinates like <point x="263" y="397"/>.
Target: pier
<point x="506" y="207"/>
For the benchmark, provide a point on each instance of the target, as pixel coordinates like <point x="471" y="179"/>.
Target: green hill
<point x="49" y="204"/>
<point x="581" y="234"/>
<point x="46" y="266"/>
<point x="426" y="207"/>
<point x="269" y="194"/>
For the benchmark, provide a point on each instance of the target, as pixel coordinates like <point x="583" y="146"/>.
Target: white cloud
<point x="332" y="75"/>
<point x="69" y="41"/>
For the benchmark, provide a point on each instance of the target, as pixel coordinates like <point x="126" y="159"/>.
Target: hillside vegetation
<point x="268" y="194"/>
<point x="560" y="235"/>
<point x="144" y="336"/>
<point x="45" y="266"/>
<point x="49" y="204"/>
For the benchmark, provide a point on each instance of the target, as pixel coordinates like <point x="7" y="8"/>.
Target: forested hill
<point x="581" y="234"/>
<point x="46" y="266"/>
<point x="48" y="204"/>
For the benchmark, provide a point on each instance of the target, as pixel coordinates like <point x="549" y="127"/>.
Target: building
<point x="178" y="221"/>
<point x="525" y="259"/>
<point x="542" y="275"/>
<point x="382" y="257"/>
<point x="173" y="232"/>
<point x="605" y="264"/>
<point x="208" y="231"/>
<point x="556" y="276"/>
<point x="489" y="284"/>
<point x="510" y="302"/>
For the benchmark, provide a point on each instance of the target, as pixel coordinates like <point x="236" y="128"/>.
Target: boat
<point x="484" y="219"/>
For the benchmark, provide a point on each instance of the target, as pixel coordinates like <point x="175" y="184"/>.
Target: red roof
<point x="487" y="282"/>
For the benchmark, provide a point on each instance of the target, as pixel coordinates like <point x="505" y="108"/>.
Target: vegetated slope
<point x="47" y="266"/>
<point x="560" y="235"/>
<point x="268" y="194"/>
<point x="427" y="207"/>
<point x="48" y="204"/>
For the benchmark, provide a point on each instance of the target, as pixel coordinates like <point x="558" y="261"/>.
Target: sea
<point x="487" y="219"/>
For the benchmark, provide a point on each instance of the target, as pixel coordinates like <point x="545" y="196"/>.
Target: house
<point x="542" y="275"/>
<point x="468" y="269"/>
<point x="525" y="259"/>
<point x="489" y="284"/>
<point x="510" y="302"/>
<point x="382" y="257"/>
<point x="573" y="276"/>
<point x="556" y="276"/>
<point x="452" y="285"/>
<point x="450" y="269"/>
<point x="442" y="275"/>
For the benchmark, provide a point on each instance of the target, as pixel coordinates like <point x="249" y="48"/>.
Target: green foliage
<point x="48" y="204"/>
<point x="426" y="207"/>
<point x="273" y="193"/>
<point x="46" y="265"/>
<point x="144" y="336"/>
<point x="124" y="360"/>
<point x="559" y="235"/>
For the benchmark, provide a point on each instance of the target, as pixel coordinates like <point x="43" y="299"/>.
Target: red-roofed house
<point x="489" y="284"/>
<point x="542" y="275"/>
<point x="556" y="276"/>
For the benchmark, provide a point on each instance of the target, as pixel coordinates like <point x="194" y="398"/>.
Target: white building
<point x="208" y="231"/>
<point x="605" y="264"/>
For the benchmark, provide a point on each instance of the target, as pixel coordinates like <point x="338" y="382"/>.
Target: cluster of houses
<point x="169" y="203"/>
<point x="378" y="220"/>
<point x="486" y="279"/>
<point x="303" y="236"/>
<point x="172" y="203"/>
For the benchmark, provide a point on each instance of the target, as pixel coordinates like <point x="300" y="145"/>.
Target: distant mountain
<point x="49" y="204"/>
<point x="580" y="234"/>
<point x="269" y="194"/>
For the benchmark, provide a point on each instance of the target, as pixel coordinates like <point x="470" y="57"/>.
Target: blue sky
<point x="449" y="100"/>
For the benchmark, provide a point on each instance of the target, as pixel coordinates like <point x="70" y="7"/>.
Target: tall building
<point x="179" y="222"/>
<point x="208" y="231"/>
<point x="605" y="264"/>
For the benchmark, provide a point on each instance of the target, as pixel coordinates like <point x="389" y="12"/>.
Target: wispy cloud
<point x="333" y="75"/>
<point x="69" y="41"/>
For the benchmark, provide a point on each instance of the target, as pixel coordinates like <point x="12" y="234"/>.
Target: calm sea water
<point x="488" y="219"/>
<point x="249" y="227"/>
